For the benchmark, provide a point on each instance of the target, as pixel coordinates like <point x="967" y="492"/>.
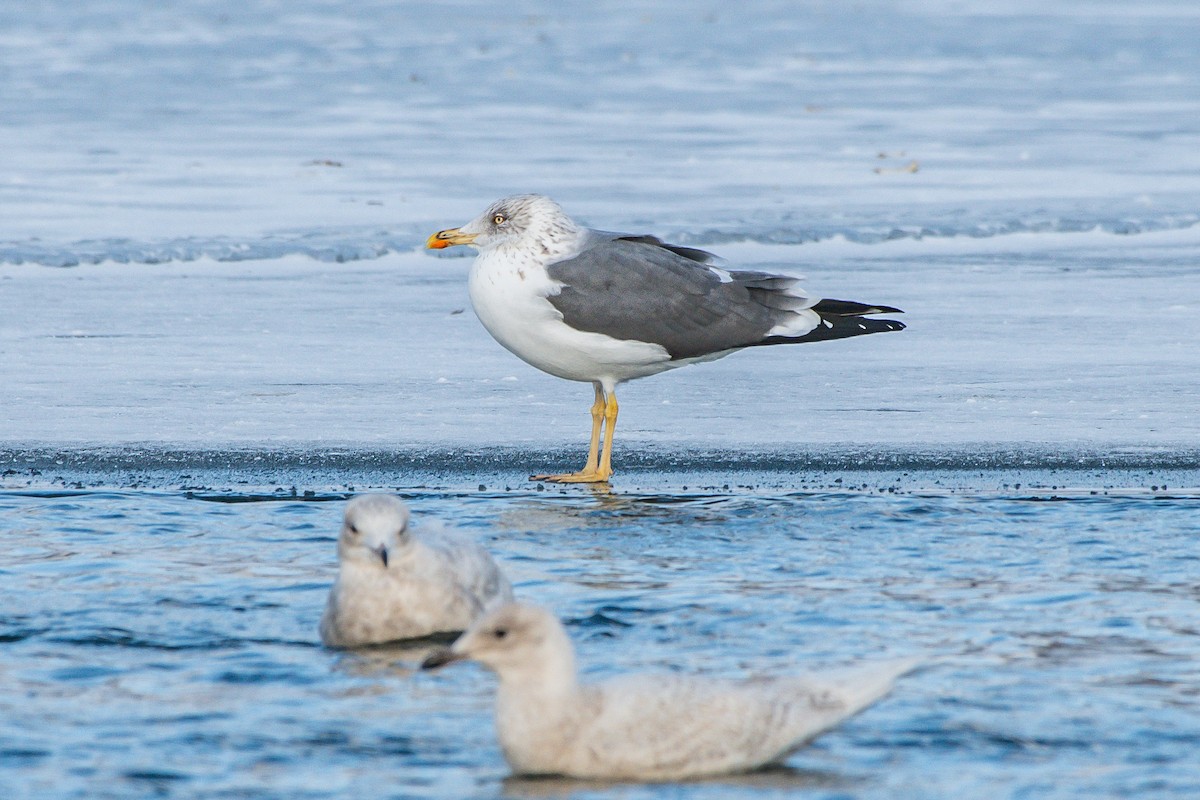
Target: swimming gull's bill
<point x="397" y="583"/>
<point x="646" y="726"/>
<point x="606" y="308"/>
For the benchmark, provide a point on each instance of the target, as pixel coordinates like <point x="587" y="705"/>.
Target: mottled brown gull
<point x="647" y="727"/>
<point x="396" y="583"/>
<point x="606" y="308"/>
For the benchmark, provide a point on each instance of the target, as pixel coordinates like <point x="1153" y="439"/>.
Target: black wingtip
<point x="851" y="308"/>
<point x="834" y="327"/>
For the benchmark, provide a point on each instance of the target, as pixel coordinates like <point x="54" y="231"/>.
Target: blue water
<point x="161" y="642"/>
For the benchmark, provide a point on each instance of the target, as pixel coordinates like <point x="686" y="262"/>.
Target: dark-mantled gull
<point x="647" y="726"/>
<point x="605" y="308"/>
<point x="396" y="583"/>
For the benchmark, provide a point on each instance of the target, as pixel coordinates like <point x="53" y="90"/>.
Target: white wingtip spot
<point x="722" y="274"/>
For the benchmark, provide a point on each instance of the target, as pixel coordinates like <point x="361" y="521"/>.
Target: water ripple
<point x="1060" y="635"/>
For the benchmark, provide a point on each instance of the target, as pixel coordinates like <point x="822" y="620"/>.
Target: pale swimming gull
<point x="647" y="727"/>
<point x="396" y="583"/>
<point x="605" y="308"/>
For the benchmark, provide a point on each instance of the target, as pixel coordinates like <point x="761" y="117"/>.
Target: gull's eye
<point x="499" y="219"/>
<point x="353" y="529"/>
<point x="500" y="633"/>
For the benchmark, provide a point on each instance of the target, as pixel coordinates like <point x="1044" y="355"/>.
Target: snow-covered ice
<point x="1070" y="339"/>
<point x="244" y="190"/>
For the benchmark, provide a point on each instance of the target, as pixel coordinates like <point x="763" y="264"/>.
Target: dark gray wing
<point x="636" y="288"/>
<point x="640" y="288"/>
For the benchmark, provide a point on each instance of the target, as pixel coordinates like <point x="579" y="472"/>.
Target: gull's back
<point x="667" y="727"/>
<point x="471" y="568"/>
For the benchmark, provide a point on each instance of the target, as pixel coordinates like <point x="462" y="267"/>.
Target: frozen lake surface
<point x="217" y="321"/>
<point x="1079" y="341"/>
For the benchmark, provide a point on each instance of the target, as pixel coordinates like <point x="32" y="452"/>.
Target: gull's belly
<point x="510" y="300"/>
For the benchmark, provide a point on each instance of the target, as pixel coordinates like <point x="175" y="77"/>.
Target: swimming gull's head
<point x="375" y="526"/>
<point x="530" y="223"/>
<point x="516" y="641"/>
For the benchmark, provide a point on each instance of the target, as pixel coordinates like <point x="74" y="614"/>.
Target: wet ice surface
<point x="1045" y="249"/>
<point x="215" y="315"/>
<point x="1055" y="340"/>
<point x="170" y="644"/>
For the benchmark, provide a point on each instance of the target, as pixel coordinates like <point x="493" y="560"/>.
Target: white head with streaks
<point x="532" y="223"/>
<point x="374" y="530"/>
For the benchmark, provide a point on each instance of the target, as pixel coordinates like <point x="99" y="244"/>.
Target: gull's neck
<point x="551" y="674"/>
<point x="537" y="708"/>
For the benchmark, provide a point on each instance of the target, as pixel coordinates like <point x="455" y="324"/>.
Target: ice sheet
<point x="1076" y="340"/>
<point x="243" y="190"/>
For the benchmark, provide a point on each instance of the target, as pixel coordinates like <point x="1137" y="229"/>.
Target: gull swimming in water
<point x="395" y="583"/>
<point x="606" y="308"/>
<point x="647" y="727"/>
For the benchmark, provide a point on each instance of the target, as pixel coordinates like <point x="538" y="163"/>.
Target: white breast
<point x="509" y="295"/>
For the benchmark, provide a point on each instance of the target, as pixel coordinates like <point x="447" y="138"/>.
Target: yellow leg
<point x="598" y="469"/>
<point x="610" y="425"/>
<point x="597" y="421"/>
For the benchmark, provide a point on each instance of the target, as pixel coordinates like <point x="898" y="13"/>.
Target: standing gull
<point x="647" y="727"/>
<point x="606" y="308"/>
<point x="395" y="583"/>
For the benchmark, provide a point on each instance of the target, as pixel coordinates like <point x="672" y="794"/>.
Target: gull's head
<point x="512" y="640"/>
<point x="374" y="529"/>
<point x="531" y="221"/>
